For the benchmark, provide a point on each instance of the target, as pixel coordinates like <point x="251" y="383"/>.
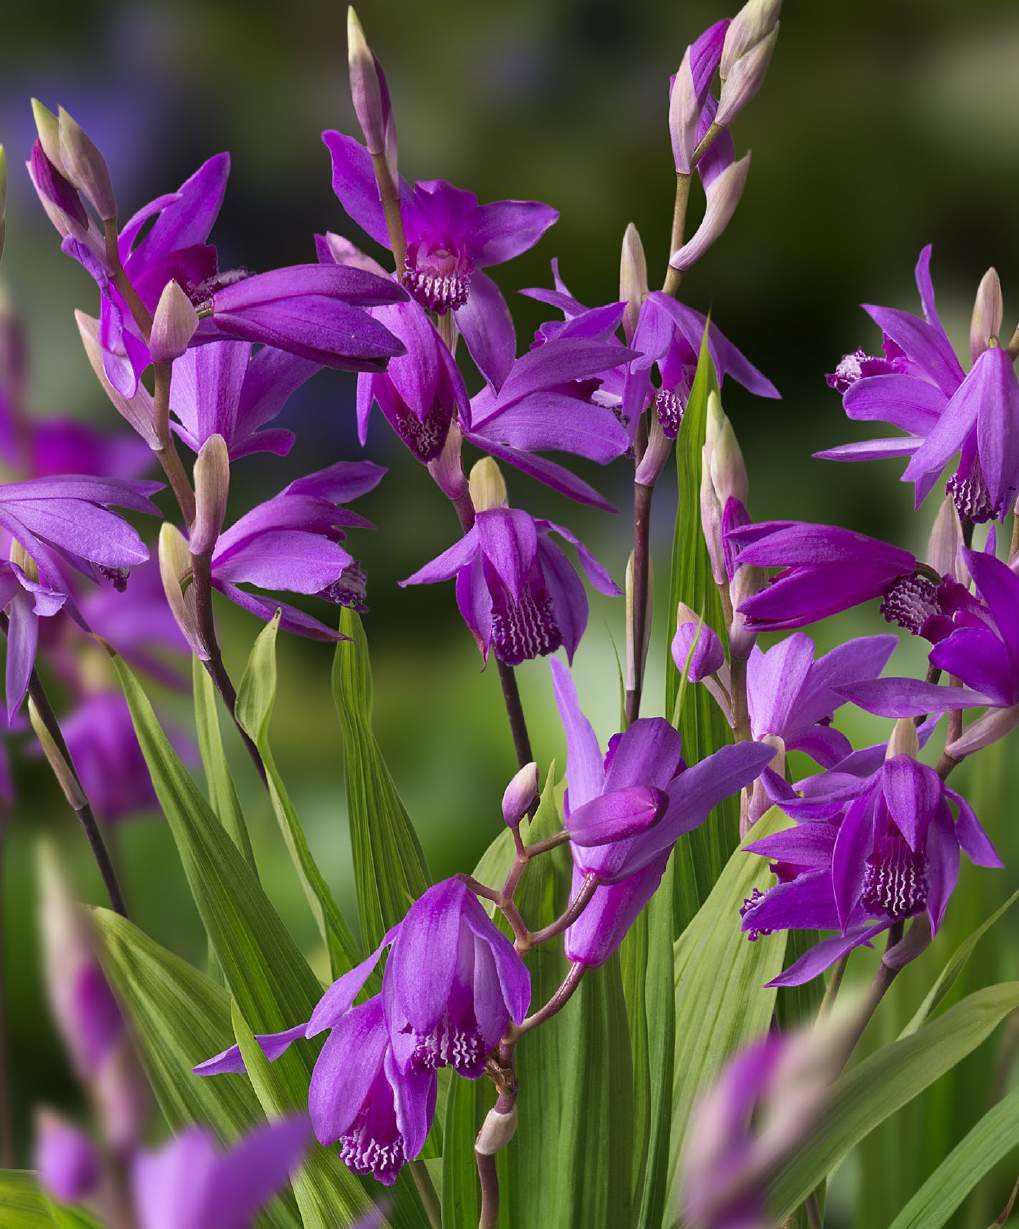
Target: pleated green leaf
<point x="218" y="781"/>
<point x="883" y="1083"/>
<point x="389" y="865"/>
<point x="264" y="970"/>
<point x="701" y="856"/>
<point x="180" y="1017"/>
<point x="256" y="699"/>
<point x="722" y="1002"/>
<point x="994" y="1136"/>
<point x="21" y="1204"/>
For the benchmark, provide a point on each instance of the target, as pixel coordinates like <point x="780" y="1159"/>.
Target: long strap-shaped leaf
<point x="256" y="699"/>
<point x="180" y="1017"/>
<point x="390" y="871"/>
<point x="880" y="1085"/>
<point x="264" y="970"/>
<point x="722" y="1002"/>
<point x="994" y="1136"/>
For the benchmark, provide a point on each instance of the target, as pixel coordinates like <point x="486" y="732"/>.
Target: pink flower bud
<point x="753" y="23"/>
<point x="688" y="92"/>
<point x="745" y="79"/>
<point x="657" y="452"/>
<point x="174" y="568"/>
<point x="988" y="313"/>
<point x="57" y="196"/>
<point x="696" y="649"/>
<point x="174" y="323"/>
<point x="67" y="1160"/>
<point x="212" y="487"/>
<point x="723" y="195"/>
<point x="520" y="795"/>
<point x="370" y="94"/>
<point x="633" y="285"/>
<point x="945" y="542"/>
<point x="85" y="166"/>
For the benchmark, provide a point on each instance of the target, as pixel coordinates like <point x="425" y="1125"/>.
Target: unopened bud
<point x="696" y="650"/>
<point x="85" y="166"/>
<point x="723" y="195"/>
<point x="66" y="1159"/>
<point x="988" y="313"/>
<point x="745" y="584"/>
<point x="496" y="1131"/>
<point x="745" y="79"/>
<point x="212" y="486"/>
<point x="633" y="284"/>
<point x="58" y="762"/>
<point x="657" y="452"/>
<point x="520" y="794"/>
<point x="366" y="89"/>
<point x="175" y="570"/>
<point x="904" y="739"/>
<point x="57" y="196"/>
<point x="728" y="469"/>
<point x="48" y="127"/>
<point x="945" y="542"/>
<point x="174" y="323"/>
<point x="487" y="486"/>
<point x="751" y="25"/>
<point x="711" y="520"/>
<point x="138" y="409"/>
<point x="688" y="93"/>
<point x="122" y="1098"/>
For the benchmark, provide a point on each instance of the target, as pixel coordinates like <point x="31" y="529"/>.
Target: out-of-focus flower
<point x="866" y="852"/>
<point x="517" y="592"/>
<point x="632" y="805"/>
<point x="190" y="1183"/>
<point x="920" y="387"/>
<point x="66" y="1159"/>
<point x="292" y="543"/>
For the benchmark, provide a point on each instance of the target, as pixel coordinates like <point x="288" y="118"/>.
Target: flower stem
<point x="674" y="277"/>
<point x="6" y="1127"/>
<point x="515" y="713"/>
<point x="879" y="986"/>
<point x="557" y="1002"/>
<point x="566" y="919"/>
<point x="426" y="1189"/>
<point x="488" y="1179"/>
<point x="390" y="197"/>
<point x="640" y="620"/>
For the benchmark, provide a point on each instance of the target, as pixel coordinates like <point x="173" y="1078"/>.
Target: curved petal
<point x="905" y="401"/>
<point x="824" y="954"/>
<point x="585" y="773"/>
<point x="423" y="958"/>
<point x="487" y="328"/>
<point x="514" y="979"/>
<point x="346" y="1069"/>
<point x="446" y="565"/>
<point x="337" y="1000"/>
<point x="852" y="845"/>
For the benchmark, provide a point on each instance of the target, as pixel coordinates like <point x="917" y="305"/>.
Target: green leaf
<point x="180" y="1017"/>
<point x="255" y="701"/>
<point x="994" y="1136"/>
<point x="701" y="856"/>
<point x="21" y="1204"/>
<point x="883" y="1083"/>
<point x="219" y="782"/>
<point x="954" y="966"/>
<point x="389" y="866"/>
<point x="722" y="1002"/>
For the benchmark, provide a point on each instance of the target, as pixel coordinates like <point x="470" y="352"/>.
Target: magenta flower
<point x="920" y="387"/>
<point x="450" y="237"/>
<point x="66" y="1159"/>
<point x="24" y="602"/>
<point x="190" y="1183"/>
<point x="292" y="542"/>
<point x="866" y="852"/>
<point x="516" y="591"/>
<point x="223" y="388"/>
<point x="625" y="811"/>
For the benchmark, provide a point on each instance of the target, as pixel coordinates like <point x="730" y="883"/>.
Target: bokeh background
<point x="882" y="126"/>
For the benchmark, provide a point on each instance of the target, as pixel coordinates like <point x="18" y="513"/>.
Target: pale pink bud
<point x="745" y="79"/>
<point x="174" y="323"/>
<point x="753" y="23"/>
<point x="138" y="410"/>
<point x="212" y="487"/>
<point x="945" y="542"/>
<point x="696" y="649"/>
<point x="633" y="284"/>
<point x="520" y="795"/>
<point x="725" y="458"/>
<point x="657" y="452"/>
<point x="723" y="195"/>
<point x="689" y="90"/>
<point x="988" y="313"/>
<point x="175" y="571"/>
<point x="85" y="166"/>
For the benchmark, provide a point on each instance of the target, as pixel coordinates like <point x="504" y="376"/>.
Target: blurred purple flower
<point x="516" y="591"/>
<point x="66" y="1159"/>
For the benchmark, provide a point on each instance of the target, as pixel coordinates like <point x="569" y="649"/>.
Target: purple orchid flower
<point x="981" y="650"/>
<point x="516" y="591"/>
<point x="23" y="602"/>
<point x="865" y="854"/>
<point x="66" y="1160"/>
<point x="222" y="388"/>
<point x="920" y="387"/>
<point x="292" y="542"/>
<point x="826" y="569"/>
<point x="190" y="1183"/>
<point x="450" y="237"/>
<point x="625" y="811"/>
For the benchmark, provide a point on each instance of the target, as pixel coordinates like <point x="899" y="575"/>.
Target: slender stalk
<point x="6" y="1127"/>
<point x="566" y="919"/>
<point x="426" y="1189"/>
<point x="834" y="985"/>
<point x="167" y="454"/>
<point x="879" y="986"/>
<point x="488" y="1179"/>
<point x="674" y="277"/>
<point x="515" y="713"/>
<point x="390" y="196"/>
<point x="557" y="1002"/>
<point x="641" y="614"/>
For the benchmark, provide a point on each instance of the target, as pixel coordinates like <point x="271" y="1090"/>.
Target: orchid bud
<point x="138" y="409"/>
<point x="904" y="740"/>
<point x="487" y="486"/>
<point x="66" y="1159"/>
<point x="174" y="323"/>
<point x="711" y="520"/>
<point x="751" y="25"/>
<point x="57" y="196"/>
<point x="688" y="92"/>
<point x="365" y="88"/>
<point x="745" y="79"/>
<point x="745" y="584"/>
<point x="657" y="452"/>
<point x="945" y="542"/>
<point x="48" y="127"/>
<point x="723" y="195"/>
<point x="725" y="459"/>
<point x="988" y="313"/>
<point x="696" y="649"/>
<point x="84" y="166"/>
<point x="58" y="762"/>
<point x="633" y="284"/>
<point x="520" y="795"/>
<point x="212" y="486"/>
<point x="175" y="569"/>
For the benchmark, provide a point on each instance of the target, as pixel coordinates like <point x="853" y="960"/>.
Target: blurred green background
<point x="882" y="126"/>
